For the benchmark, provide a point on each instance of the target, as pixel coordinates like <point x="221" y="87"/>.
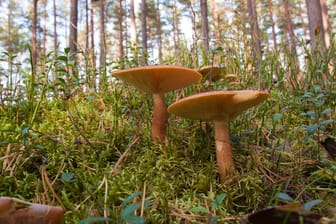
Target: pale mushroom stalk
<point x="160" y="117"/>
<point x="223" y="150"/>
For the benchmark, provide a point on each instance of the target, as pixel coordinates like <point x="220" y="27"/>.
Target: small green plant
<point x="210" y="212"/>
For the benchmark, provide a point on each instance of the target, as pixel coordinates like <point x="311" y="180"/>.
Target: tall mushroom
<point x="158" y="80"/>
<point x="219" y="107"/>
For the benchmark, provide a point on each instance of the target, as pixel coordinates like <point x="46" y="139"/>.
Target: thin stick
<point x="143" y="200"/>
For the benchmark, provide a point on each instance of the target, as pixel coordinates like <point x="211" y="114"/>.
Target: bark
<point x="34" y="52"/>
<point x="254" y="29"/>
<point x="87" y="27"/>
<point x="290" y="29"/>
<point x="102" y="42"/>
<point x="133" y="25"/>
<point x="44" y="29"/>
<point x="159" y="32"/>
<point x="55" y="27"/>
<point x="144" y="30"/>
<point x="121" y="37"/>
<point x="270" y="9"/>
<point x="73" y="28"/>
<point x="92" y="48"/>
<point x="205" y="24"/>
<point x="316" y="29"/>
<point x="325" y="21"/>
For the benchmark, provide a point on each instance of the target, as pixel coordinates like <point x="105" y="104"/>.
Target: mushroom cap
<point x="158" y="78"/>
<point x="214" y="71"/>
<point x="217" y="105"/>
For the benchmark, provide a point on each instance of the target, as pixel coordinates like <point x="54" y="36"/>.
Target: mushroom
<point x="158" y="80"/>
<point x="212" y="73"/>
<point x="219" y="107"/>
<point x="13" y="210"/>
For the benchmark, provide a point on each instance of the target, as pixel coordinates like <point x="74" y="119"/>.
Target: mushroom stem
<point x="223" y="150"/>
<point x="160" y="117"/>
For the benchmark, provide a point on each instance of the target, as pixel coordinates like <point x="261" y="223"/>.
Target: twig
<point x="143" y="200"/>
<point x="88" y="197"/>
<point x="44" y="172"/>
<point x="121" y="158"/>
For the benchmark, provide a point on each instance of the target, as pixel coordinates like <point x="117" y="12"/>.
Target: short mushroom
<point x="158" y="80"/>
<point x="219" y="107"/>
<point x="212" y="73"/>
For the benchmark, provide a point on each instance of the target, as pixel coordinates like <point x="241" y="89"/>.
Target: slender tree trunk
<point x="133" y="25"/>
<point x="144" y="30"/>
<point x="73" y="28"/>
<point x="270" y="9"/>
<point x="86" y="27"/>
<point x="121" y="30"/>
<point x="205" y="25"/>
<point x="34" y="52"/>
<point x="288" y="18"/>
<point x="102" y="46"/>
<point x="254" y="31"/>
<point x="92" y="48"/>
<point x="325" y="21"/>
<point x="159" y="32"/>
<point x="55" y="28"/>
<point x="45" y="29"/>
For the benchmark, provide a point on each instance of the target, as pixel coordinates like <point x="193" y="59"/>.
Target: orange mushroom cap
<point x="158" y="79"/>
<point x="217" y="105"/>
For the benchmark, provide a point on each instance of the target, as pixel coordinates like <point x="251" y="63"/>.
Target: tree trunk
<point x="159" y="32"/>
<point x="270" y="9"/>
<point x="144" y="31"/>
<point x="254" y="32"/>
<point x="121" y="38"/>
<point x="325" y="21"/>
<point x="44" y="53"/>
<point x="34" y="52"/>
<point x="73" y="28"/>
<point x="92" y="48"/>
<point x="55" y="28"/>
<point x="133" y="25"/>
<point x="290" y="29"/>
<point x="316" y="29"/>
<point x="102" y="45"/>
<point x="205" y="24"/>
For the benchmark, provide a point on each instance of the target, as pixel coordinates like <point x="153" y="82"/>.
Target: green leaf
<point x="326" y="111"/>
<point x="214" y="219"/>
<point x="94" y="219"/>
<point x="219" y="199"/>
<point x="68" y="177"/>
<point x="311" y="129"/>
<point x="129" y="210"/>
<point x="284" y="196"/>
<point x="199" y="209"/>
<point x="326" y="122"/>
<point x="308" y="205"/>
<point x="132" y="219"/>
<point x="67" y="50"/>
<point x="277" y="116"/>
<point x="62" y="58"/>
<point x="130" y="198"/>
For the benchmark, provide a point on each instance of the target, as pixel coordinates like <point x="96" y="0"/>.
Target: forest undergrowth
<point x="92" y="153"/>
